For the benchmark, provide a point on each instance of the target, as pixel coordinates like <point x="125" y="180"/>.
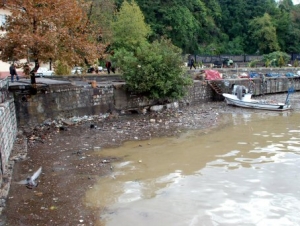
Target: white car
<point x="76" y="70"/>
<point x="42" y="71"/>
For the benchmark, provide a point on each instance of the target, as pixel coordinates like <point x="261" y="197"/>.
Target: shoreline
<point x="70" y="166"/>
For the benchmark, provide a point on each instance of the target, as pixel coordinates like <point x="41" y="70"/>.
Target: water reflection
<point x="243" y="174"/>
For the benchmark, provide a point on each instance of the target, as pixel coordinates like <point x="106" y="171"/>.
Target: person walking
<point x="192" y="64"/>
<point x="108" y="66"/>
<point x="13" y="72"/>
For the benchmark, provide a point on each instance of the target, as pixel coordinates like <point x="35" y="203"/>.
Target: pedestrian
<point x="108" y="66"/>
<point x="13" y="72"/>
<point x="192" y="64"/>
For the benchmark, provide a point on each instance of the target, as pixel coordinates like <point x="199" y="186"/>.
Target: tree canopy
<point x="129" y="27"/>
<point x="50" y="29"/>
<point x="149" y="68"/>
<point x="263" y="33"/>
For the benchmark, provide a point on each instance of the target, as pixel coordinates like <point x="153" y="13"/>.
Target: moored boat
<point x="242" y="98"/>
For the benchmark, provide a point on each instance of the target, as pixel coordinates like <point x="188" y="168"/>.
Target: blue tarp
<point x="253" y="74"/>
<point x="273" y="75"/>
<point x="290" y="75"/>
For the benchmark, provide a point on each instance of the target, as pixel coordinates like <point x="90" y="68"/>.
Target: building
<point x="4" y="11"/>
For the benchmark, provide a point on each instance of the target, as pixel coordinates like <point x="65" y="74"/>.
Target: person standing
<point x="13" y="72"/>
<point x="108" y="66"/>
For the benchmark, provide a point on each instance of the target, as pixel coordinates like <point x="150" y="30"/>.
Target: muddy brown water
<point x="246" y="173"/>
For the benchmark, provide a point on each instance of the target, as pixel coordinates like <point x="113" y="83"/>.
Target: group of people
<point x="13" y="72"/>
<point x="108" y="66"/>
<point x="26" y="70"/>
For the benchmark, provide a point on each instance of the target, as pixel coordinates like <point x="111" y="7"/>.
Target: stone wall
<point x="62" y="101"/>
<point x="8" y="127"/>
<point x="65" y="101"/>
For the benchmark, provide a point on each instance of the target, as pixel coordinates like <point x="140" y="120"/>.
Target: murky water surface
<point x="247" y="173"/>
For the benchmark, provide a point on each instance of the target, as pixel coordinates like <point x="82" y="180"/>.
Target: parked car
<point x="91" y="70"/>
<point x="218" y="64"/>
<point x="76" y="70"/>
<point x="42" y="71"/>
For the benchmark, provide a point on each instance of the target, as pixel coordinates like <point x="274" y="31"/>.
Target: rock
<point x="152" y="120"/>
<point x="67" y="122"/>
<point x="173" y="105"/>
<point x="157" y="108"/>
<point x="47" y="122"/>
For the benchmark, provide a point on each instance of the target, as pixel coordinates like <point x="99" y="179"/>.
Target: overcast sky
<point x="296" y="1"/>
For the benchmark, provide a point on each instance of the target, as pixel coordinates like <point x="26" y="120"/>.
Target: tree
<point x="153" y="70"/>
<point x="281" y="62"/>
<point x="129" y="28"/>
<point x="101" y="13"/>
<point x="263" y="33"/>
<point x="50" y="29"/>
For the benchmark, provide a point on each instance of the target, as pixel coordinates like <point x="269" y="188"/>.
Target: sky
<point x="296" y="1"/>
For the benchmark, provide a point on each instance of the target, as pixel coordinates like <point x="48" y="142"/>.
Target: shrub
<point x="62" y="68"/>
<point x="153" y="70"/>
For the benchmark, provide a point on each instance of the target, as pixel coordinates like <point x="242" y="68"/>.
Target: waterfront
<point x="246" y="173"/>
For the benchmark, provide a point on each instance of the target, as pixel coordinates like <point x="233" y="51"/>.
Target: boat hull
<point x="255" y="104"/>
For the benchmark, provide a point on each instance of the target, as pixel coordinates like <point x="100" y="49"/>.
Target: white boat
<point x="241" y="98"/>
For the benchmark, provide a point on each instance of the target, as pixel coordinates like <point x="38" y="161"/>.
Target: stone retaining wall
<point x="62" y="102"/>
<point x="8" y="132"/>
<point x="68" y="101"/>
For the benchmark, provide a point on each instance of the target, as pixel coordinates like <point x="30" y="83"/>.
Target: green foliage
<point x="101" y="13"/>
<point x="189" y="24"/>
<point x="281" y="62"/>
<point x="234" y="47"/>
<point x="229" y="26"/>
<point x="253" y="63"/>
<point x="274" y="58"/>
<point x="153" y="70"/>
<point x="263" y="33"/>
<point x="268" y="63"/>
<point x="62" y="68"/>
<point x="296" y="63"/>
<point x="129" y="28"/>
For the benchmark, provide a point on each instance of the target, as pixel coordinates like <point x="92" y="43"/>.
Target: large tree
<point x="152" y="69"/>
<point x="263" y="32"/>
<point x="130" y="28"/>
<point x="101" y="13"/>
<point x="50" y="29"/>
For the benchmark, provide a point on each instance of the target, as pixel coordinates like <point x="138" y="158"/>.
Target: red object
<point x="108" y="64"/>
<point x="212" y="75"/>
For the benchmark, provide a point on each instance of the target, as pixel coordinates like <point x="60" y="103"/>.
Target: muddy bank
<point x="71" y="162"/>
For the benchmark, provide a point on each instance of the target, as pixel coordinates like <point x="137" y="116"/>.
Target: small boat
<point x="242" y="98"/>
